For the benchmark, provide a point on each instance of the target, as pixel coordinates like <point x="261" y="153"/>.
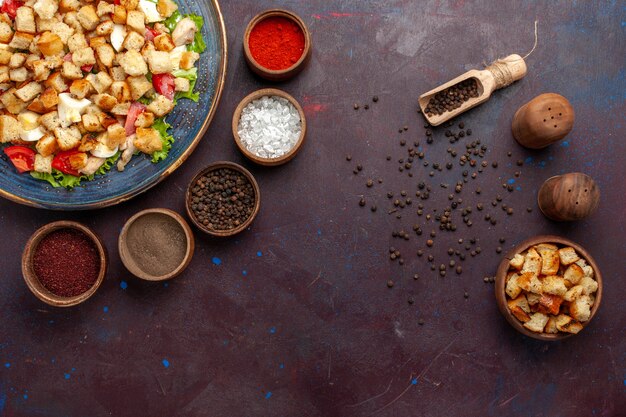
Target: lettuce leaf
<point x="172" y="21"/>
<point x="198" y="44"/>
<point x="44" y="176"/>
<point x="161" y="126"/>
<point x="66" y="180"/>
<point x="108" y="164"/>
<point x="192" y="76"/>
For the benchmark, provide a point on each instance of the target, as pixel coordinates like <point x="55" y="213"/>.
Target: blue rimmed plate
<point x="189" y="122"/>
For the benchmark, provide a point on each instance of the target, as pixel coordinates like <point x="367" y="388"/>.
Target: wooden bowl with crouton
<point x="548" y="288"/>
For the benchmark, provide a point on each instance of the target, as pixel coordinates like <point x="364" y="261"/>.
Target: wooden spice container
<point x="542" y="121"/>
<point x="28" y="270"/>
<point x="282" y="74"/>
<point x="568" y="197"/>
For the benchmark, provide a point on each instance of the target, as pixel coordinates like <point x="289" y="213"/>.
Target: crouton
<point x="17" y="60"/>
<point x="136" y="21"/>
<point x="105" y="101"/>
<point x="77" y="42"/>
<point x="552" y="303"/>
<point x="130" y="4"/>
<point x="161" y="106"/>
<point x="529" y="282"/>
<point x="43" y="163"/>
<point x="104" y="8"/>
<point x="91" y="123"/>
<point x="97" y="41"/>
<point x="80" y="88"/>
<point x="188" y="59"/>
<point x="166" y="8"/>
<point x="533" y="299"/>
<point x="551" y="326"/>
<point x="63" y="30"/>
<point x="565" y="323"/>
<point x="568" y="255"/>
<point x="105" y="28"/>
<point x="88" y="17"/>
<point x="118" y="74"/>
<point x="148" y="140"/>
<point x="53" y="62"/>
<point x="19" y="74"/>
<point x="554" y="284"/>
<point x="133" y="41"/>
<point x="21" y="40"/>
<point x="116" y="135"/>
<point x="29" y="91"/>
<point x="10" y="129"/>
<point x="512" y="288"/>
<point x="5" y="56"/>
<point x="517" y="262"/>
<point x="78" y="160"/>
<point x="519" y="308"/>
<point x="133" y="63"/>
<point x="100" y="81"/>
<point x="11" y="102"/>
<point x="37" y="106"/>
<point x="50" y="120"/>
<point x="121" y="91"/>
<point x="573" y="293"/>
<point x="67" y="138"/>
<point x="537" y="322"/>
<point x="106" y="54"/>
<point x="182" y="84"/>
<point x="573" y="274"/>
<point x="164" y="42"/>
<point x="587" y="269"/>
<point x="4" y="74"/>
<point x="589" y="285"/>
<point x="69" y="6"/>
<point x="121" y="109"/>
<point x="57" y="82"/>
<point x="25" y="20"/>
<point x="580" y="308"/>
<point x="71" y="71"/>
<point x="88" y="142"/>
<point x="549" y="259"/>
<point x="47" y="145"/>
<point x="6" y="33"/>
<point x="139" y="86"/>
<point x="147" y="49"/>
<point x="119" y="15"/>
<point x="84" y="56"/>
<point x="145" y="119"/>
<point x="532" y="262"/>
<point x="41" y="70"/>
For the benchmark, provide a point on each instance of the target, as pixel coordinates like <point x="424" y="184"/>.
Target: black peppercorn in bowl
<point x="64" y="263"/>
<point x="223" y="199"/>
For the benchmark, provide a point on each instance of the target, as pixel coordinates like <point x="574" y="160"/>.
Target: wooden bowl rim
<point x="33" y="283"/>
<point x="213" y="167"/>
<point x="132" y="266"/>
<point x="235" y="125"/>
<point x="286" y="73"/>
<point x="503" y="268"/>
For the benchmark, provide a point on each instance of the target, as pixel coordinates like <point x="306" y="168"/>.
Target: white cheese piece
<point x="117" y="36"/>
<point x="150" y="10"/>
<point x="1" y="2"/>
<point x="175" y="56"/>
<point x="70" y="109"/>
<point x="32" y="135"/>
<point x="103" y="151"/>
<point x="29" y="120"/>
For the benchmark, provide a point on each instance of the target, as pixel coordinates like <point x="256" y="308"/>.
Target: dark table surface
<point x="294" y="317"/>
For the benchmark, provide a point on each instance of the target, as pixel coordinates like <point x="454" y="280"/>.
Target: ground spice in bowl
<point x="276" y="43"/>
<point x="223" y="199"/>
<point x="66" y="262"/>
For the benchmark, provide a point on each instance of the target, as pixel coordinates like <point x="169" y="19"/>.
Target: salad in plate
<point x="86" y="85"/>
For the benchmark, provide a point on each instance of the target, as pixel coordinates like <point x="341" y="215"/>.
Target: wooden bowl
<point x="37" y="287"/>
<point x="546" y="119"/>
<point x="235" y="126"/>
<point x="126" y="254"/>
<point x="249" y="220"/>
<point x="287" y="73"/>
<point x="503" y="269"/>
<point x="568" y="197"/>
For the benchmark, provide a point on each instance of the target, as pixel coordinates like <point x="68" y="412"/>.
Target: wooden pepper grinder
<point x="542" y="121"/>
<point x="568" y="197"/>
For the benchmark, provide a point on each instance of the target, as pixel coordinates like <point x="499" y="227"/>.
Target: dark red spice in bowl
<point x="276" y="43"/>
<point x="66" y="262"/>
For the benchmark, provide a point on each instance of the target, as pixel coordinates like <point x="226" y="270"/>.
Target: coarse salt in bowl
<point x="269" y="127"/>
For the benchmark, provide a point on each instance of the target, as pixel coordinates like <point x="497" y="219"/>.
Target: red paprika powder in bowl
<point x="64" y="263"/>
<point x="277" y="45"/>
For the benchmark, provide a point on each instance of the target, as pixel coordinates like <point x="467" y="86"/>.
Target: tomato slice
<point x="164" y="85"/>
<point x="133" y="113"/>
<point x="151" y="33"/>
<point x="87" y="68"/>
<point x="61" y="162"/>
<point x="23" y="158"/>
<point x="10" y="7"/>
